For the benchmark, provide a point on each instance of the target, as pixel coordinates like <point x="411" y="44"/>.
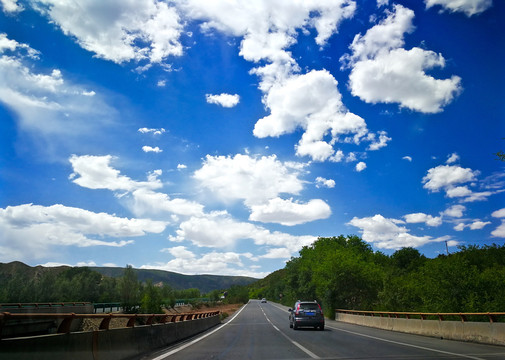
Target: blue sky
<point x="219" y="137"/>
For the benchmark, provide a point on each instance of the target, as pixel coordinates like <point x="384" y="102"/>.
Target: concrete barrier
<point x="113" y="344"/>
<point x="485" y="332"/>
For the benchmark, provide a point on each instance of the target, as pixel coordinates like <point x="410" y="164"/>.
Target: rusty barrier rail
<point x="492" y="316"/>
<point x="42" y="305"/>
<point x="67" y="319"/>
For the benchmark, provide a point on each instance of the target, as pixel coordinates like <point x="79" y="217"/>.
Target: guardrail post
<point x="104" y="324"/>
<point x="131" y="321"/>
<point x="65" y="324"/>
<point x="491" y="317"/>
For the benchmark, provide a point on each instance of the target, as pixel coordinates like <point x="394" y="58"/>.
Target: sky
<point x="220" y="137"/>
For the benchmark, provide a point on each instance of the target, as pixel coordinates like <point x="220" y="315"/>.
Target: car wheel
<point x="321" y="327"/>
<point x="295" y="326"/>
<point x="290" y="325"/>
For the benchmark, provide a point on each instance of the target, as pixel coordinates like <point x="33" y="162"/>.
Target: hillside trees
<point x="344" y="272"/>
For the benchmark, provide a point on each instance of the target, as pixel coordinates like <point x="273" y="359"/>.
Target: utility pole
<point x="446" y="248"/>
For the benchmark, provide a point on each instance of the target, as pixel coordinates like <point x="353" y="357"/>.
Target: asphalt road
<point x="261" y="331"/>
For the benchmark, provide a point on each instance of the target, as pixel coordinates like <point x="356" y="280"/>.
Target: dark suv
<point x="306" y="313"/>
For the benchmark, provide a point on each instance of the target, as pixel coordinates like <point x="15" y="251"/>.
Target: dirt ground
<point x="225" y="309"/>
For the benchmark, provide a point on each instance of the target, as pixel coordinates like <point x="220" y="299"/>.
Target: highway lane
<point x="261" y="331"/>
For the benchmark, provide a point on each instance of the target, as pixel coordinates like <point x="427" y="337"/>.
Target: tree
<point x="151" y="299"/>
<point x="129" y="290"/>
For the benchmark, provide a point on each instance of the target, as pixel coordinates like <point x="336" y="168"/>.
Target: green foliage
<point x="344" y="272"/>
<point x="129" y="290"/>
<point x="151" y="299"/>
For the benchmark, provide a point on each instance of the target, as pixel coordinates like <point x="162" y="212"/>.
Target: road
<point x="261" y="331"/>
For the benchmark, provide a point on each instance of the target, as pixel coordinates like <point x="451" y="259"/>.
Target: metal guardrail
<point x="42" y="305"/>
<point x="492" y="316"/>
<point x="106" y="318"/>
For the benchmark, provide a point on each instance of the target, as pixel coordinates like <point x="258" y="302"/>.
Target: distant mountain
<point x="204" y="283"/>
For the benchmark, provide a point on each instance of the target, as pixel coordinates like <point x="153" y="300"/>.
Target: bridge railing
<point x="490" y="316"/>
<point x="67" y="319"/>
<point x="41" y="305"/>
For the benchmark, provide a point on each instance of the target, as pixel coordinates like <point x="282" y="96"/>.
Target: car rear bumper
<point x="300" y="322"/>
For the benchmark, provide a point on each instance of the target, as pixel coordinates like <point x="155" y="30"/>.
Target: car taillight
<point x="320" y="309"/>
<point x="297" y="309"/>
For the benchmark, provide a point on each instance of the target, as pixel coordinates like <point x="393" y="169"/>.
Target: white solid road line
<point x="406" y="344"/>
<point x="177" y="349"/>
<point x="305" y="350"/>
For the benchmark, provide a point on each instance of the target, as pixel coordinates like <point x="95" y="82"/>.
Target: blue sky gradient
<point x="221" y="137"/>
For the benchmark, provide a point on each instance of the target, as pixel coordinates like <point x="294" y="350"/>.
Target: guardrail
<point x="491" y="316"/>
<point x="42" y="305"/>
<point x="67" y="319"/>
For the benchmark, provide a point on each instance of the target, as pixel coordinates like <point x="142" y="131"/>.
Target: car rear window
<point x="309" y="306"/>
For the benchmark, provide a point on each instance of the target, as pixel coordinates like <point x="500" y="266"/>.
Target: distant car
<point x="306" y="314"/>
<point x="263" y="300"/>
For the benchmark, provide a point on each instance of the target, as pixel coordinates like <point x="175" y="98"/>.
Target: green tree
<point x="151" y="299"/>
<point x="129" y="290"/>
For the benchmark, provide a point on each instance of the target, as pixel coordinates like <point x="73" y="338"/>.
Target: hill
<point x="204" y="283"/>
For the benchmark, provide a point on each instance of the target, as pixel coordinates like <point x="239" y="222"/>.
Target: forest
<point x="341" y="272"/>
<point x="345" y="273"/>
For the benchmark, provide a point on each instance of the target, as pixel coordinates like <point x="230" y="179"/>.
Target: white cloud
<point x="447" y="176"/>
<point x="11" y="6"/>
<point x="360" y="166"/>
<point x="383" y="140"/>
<point x="469" y="7"/>
<point x="474" y="225"/>
<point x="95" y="172"/>
<point x="408" y="158"/>
<point x="155" y="149"/>
<point x="181" y="166"/>
<point x="452" y="158"/>
<point x="201" y="231"/>
<point x="458" y="191"/>
<point x="313" y="103"/>
<point x="387" y="234"/>
<point x="455" y="211"/>
<point x="45" y="102"/>
<point x="429" y="220"/>
<point x="382" y="71"/>
<point x="499" y="213"/>
<point x="252" y="179"/>
<point x="218" y="263"/>
<point x="288" y="212"/>
<point x="119" y="30"/>
<point x="500" y="230"/>
<point x="322" y="182"/>
<point x="225" y="100"/>
<point x="161" y="83"/>
<point x="32" y="231"/>
<point x="145" y="130"/>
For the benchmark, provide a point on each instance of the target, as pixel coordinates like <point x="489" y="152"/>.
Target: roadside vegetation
<point x="345" y="273"/>
<point x="339" y="272"/>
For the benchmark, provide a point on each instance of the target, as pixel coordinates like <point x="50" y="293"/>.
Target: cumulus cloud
<point x="408" y="158"/>
<point x="224" y="100"/>
<point x="252" y="179"/>
<point x="389" y="234"/>
<point x="500" y="230"/>
<point x="360" y="166"/>
<point x="455" y="211"/>
<point x="145" y="130"/>
<point x="31" y="231"/>
<point x="119" y="30"/>
<point x="313" y="103"/>
<point x="322" y="182"/>
<point x="11" y="6"/>
<point x="447" y="176"/>
<point x="469" y="7"/>
<point x="452" y="158"/>
<point x="382" y="71"/>
<point x="218" y="263"/>
<point x="288" y="212"/>
<point x="96" y="172"/>
<point x="201" y="232"/>
<point x="474" y="225"/>
<point x="155" y="149"/>
<point x="429" y="220"/>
